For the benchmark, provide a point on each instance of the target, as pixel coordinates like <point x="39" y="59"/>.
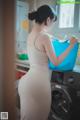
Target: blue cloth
<point x="69" y="62"/>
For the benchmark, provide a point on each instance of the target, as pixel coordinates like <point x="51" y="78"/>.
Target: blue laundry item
<point x="69" y="62"/>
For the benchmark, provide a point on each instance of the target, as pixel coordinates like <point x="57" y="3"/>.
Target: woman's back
<point x="36" y="52"/>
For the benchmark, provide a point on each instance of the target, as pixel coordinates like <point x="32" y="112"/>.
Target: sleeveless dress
<point x="34" y="87"/>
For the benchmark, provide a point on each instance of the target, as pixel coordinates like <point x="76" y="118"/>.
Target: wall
<point x="22" y="25"/>
<point x="48" y="2"/>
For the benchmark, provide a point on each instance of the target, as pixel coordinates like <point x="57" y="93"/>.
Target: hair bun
<point x="32" y="15"/>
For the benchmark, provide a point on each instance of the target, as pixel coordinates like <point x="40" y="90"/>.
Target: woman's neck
<point x="38" y="27"/>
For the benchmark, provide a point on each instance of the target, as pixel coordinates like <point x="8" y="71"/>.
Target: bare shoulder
<point x="44" y="38"/>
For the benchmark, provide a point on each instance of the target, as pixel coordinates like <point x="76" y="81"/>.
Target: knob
<point x="71" y="80"/>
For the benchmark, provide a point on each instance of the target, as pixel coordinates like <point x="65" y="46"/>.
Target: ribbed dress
<point x="34" y="87"/>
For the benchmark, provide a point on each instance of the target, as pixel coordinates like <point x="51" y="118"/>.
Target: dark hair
<point x="42" y="14"/>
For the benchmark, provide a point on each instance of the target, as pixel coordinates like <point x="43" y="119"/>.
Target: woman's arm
<point x="51" y="54"/>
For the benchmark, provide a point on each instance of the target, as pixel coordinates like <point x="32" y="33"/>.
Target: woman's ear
<point x="48" y="21"/>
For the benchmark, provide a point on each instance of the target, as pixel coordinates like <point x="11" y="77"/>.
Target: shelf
<point x="23" y="63"/>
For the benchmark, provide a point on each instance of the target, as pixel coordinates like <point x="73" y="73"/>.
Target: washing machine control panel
<point x="71" y="80"/>
<point x="68" y="78"/>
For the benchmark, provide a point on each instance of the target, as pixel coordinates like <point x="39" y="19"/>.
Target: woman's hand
<point x="73" y="40"/>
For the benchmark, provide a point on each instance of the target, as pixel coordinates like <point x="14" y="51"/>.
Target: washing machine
<point x="65" y="96"/>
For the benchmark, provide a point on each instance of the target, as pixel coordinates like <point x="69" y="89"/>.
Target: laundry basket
<point x="69" y="62"/>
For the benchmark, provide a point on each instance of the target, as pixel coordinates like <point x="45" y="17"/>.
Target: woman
<point x="34" y="87"/>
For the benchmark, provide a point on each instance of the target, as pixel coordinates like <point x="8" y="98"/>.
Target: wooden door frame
<point x="8" y="39"/>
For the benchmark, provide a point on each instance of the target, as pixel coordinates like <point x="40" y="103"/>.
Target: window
<point x="66" y="18"/>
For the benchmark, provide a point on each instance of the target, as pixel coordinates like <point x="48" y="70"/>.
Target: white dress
<point x="34" y="87"/>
